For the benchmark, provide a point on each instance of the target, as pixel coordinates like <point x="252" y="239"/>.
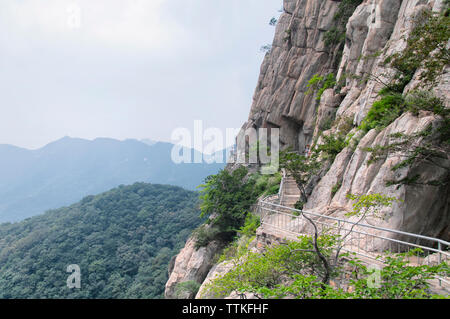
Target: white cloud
<point x="132" y="69"/>
<point x="139" y="24"/>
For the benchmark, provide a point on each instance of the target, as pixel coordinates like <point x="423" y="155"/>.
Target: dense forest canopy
<point x="122" y="241"/>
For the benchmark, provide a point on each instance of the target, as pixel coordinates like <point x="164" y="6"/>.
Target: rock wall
<point x="298" y="52"/>
<point x="191" y="264"/>
<point x="377" y="28"/>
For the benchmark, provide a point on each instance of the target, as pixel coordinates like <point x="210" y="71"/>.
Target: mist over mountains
<point x="64" y="171"/>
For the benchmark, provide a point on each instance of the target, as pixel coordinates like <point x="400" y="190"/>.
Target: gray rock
<point x="191" y="264"/>
<point x="377" y="29"/>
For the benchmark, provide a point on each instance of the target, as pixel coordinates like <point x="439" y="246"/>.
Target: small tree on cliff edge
<point x="226" y="197"/>
<point x="301" y="168"/>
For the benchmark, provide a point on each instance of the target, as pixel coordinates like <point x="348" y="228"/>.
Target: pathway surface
<point x="281" y="223"/>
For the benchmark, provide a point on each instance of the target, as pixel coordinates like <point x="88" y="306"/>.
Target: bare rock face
<point x="191" y="264"/>
<point x="215" y="272"/>
<point x="218" y="271"/>
<point x="425" y="209"/>
<point x="377" y="29"/>
<point x="298" y="52"/>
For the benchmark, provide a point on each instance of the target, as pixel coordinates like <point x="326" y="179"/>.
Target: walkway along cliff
<point x="329" y="63"/>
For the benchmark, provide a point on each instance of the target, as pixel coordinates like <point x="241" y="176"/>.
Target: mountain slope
<point x="65" y="171"/>
<point x="122" y="241"/>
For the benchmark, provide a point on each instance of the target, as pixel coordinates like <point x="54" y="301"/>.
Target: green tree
<point x="226" y="198"/>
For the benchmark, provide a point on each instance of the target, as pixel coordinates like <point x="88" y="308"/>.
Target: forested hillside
<point x="63" y="172"/>
<point x="122" y="241"/>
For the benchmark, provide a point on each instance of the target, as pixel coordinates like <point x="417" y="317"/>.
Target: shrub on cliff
<point x="292" y="271"/>
<point x="336" y="35"/>
<point x="426" y="49"/>
<point x="256" y="271"/>
<point x="320" y="84"/>
<point x="186" y="289"/>
<point x="226" y="198"/>
<point x="383" y="112"/>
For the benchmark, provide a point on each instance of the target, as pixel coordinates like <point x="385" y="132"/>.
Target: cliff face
<point x="374" y="30"/>
<point x="298" y="52"/>
<point x="190" y="265"/>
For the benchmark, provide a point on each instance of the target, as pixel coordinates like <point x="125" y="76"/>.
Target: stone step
<point x="289" y="203"/>
<point x="290" y="192"/>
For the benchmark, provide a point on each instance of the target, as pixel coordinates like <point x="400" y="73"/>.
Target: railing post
<point x="339" y="229"/>
<point x="440" y="250"/>
<point x="440" y="260"/>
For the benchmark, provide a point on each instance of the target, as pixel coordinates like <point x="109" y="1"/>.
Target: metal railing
<point x="281" y="190"/>
<point x="365" y="240"/>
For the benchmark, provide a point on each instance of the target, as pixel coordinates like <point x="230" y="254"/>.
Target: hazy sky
<point x="127" y="68"/>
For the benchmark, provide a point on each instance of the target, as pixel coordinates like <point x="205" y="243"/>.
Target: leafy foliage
<point x="266" y="184"/>
<point x="369" y="203"/>
<point x="252" y="222"/>
<point x="336" y="35"/>
<point x="292" y="271"/>
<point x="416" y="148"/>
<point x="383" y="112"/>
<point x="186" y="289"/>
<point x="320" y="84"/>
<point x="246" y="235"/>
<point x="255" y="271"/>
<point x="430" y="145"/>
<point x="301" y="168"/>
<point x="206" y="233"/>
<point x="426" y="49"/>
<point x="332" y="145"/>
<point x="335" y="188"/>
<point x="122" y="240"/>
<point x="226" y="199"/>
<point x="399" y="279"/>
<point x="420" y="100"/>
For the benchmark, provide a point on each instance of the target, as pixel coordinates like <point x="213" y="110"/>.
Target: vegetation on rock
<point x="426" y="50"/>
<point x="226" y="198"/>
<point x="336" y="35"/>
<point x="297" y="269"/>
<point x="320" y="84"/>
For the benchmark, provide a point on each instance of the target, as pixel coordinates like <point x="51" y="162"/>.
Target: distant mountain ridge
<point x="64" y="171"/>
